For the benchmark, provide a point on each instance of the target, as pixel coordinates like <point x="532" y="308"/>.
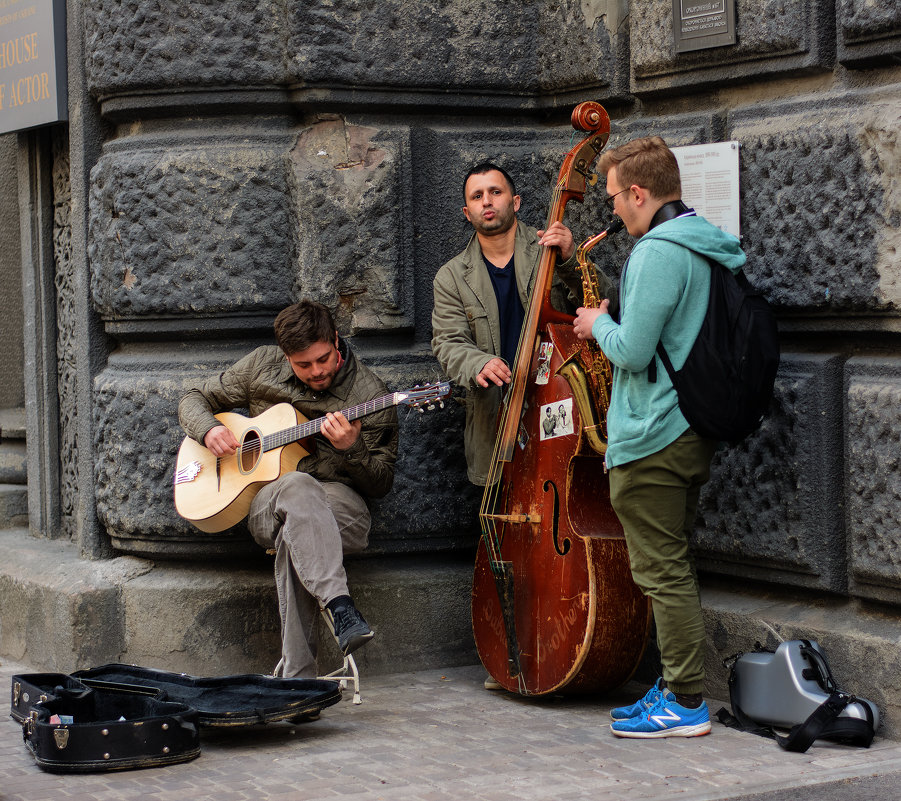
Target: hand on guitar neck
<point x="336" y="428"/>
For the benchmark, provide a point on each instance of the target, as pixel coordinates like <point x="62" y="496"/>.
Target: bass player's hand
<point x="496" y="371"/>
<point x="220" y="441"/>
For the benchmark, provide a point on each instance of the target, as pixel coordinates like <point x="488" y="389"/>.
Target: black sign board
<point x="698" y="24"/>
<point x="32" y="63"/>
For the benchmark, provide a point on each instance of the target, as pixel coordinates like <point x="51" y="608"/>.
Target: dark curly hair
<point x="302" y="325"/>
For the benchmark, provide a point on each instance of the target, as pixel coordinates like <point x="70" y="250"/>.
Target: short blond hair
<point x="645" y="162"/>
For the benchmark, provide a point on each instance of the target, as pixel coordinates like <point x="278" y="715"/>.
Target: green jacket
<point x="264" y="378"/>
<point x="466" y="331"/>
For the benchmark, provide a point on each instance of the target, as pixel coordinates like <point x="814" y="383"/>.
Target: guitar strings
<point x="310" y="427"/>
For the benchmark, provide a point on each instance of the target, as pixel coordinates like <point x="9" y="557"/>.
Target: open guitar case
<point x="118" y="717"/>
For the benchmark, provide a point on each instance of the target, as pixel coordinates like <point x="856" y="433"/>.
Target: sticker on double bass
<point x="545" y="352"/>
<point x="522" y="437"/>
<point x="556" y="419"/>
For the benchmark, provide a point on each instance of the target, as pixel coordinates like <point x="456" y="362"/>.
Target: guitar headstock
<point x="426" y="397"/>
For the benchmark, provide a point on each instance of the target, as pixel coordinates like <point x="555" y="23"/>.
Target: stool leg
<point x="348" y="671"/>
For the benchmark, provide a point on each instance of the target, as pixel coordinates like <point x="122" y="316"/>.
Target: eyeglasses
<point x="609" y="200"/>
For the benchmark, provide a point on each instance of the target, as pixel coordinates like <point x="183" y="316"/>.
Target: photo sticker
<point x="556" y="419"/>
<point x="544" y="363"/>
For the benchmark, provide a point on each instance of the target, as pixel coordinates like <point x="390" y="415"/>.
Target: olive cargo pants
<point x="656" y="498"/>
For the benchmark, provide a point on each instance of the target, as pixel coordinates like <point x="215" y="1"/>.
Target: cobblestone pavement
<point x="439" y="736"/>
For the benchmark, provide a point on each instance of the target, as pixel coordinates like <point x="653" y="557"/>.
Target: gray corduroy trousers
<point x="310" y="525"/>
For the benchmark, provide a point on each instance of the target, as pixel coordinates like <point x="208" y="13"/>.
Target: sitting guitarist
<point x="313" y="516"/>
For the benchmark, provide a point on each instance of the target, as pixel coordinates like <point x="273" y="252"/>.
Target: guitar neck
<point x="311" y="427"/>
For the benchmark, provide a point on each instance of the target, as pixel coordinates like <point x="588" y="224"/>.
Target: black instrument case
<point x="117" y="717"/>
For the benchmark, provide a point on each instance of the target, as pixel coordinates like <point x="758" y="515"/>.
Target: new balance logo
<point x="667" y="717"/>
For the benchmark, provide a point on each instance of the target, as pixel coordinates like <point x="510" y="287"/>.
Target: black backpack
<point x="726" y="383"/>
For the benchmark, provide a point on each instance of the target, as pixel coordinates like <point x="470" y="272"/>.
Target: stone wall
<point x="259" y="153"/>
<point x="229" y="157"/>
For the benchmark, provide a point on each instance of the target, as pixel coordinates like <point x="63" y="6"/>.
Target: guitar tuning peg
<point x="420" y="409"/>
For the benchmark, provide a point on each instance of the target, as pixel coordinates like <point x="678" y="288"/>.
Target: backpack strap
<point x="661" y="351"/>
<point x="821" y="724"/>
<point x="664" y="357"/>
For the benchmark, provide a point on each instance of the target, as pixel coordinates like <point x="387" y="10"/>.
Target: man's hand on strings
<point x="558" y="236"/>
<point x="220" y="441"/>
<point x="338" y="430"/>
<point x="496" y="372"/>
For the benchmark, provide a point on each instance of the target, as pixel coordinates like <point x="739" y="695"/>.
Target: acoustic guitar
<point x="215" y="493"/>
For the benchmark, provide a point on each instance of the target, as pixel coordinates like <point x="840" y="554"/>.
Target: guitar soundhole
<point x="250" y="450"/>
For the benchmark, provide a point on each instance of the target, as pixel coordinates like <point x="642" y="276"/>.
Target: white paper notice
<point x="710" y="182"/>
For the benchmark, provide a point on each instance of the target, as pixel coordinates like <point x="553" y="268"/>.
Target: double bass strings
<point x="493" y="485"/>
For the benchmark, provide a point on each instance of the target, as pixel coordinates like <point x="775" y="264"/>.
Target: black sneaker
<point x="351" y="629"/>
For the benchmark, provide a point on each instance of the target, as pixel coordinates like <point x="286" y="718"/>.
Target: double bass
<point x="554" y="606"/>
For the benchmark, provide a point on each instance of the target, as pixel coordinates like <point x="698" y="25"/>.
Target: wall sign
<point x="698" y="24"/>
<point x="33" y="88"/>
<point x="710" y="182"/>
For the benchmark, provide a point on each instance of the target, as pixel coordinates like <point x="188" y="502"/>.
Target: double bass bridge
<point x="514" y="518"/>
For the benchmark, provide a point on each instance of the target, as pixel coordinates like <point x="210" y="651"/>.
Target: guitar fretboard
<point x="311" y="427"/>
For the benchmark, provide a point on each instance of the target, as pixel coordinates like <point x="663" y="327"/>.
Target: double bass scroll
<point x="553" y="603"/>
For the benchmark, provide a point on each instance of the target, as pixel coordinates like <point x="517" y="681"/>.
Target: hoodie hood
<point x="701" y="236"/>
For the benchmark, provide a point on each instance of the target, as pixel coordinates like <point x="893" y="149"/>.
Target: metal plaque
<point x="698" y="24"/>
<point x="32" y="63"/>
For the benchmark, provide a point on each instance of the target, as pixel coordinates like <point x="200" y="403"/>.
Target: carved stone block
<point x="432" y="504"/>
<point x="873" y="442"/>
<point x="522" y="48"/>
<point x="774" y="37"/>
<point x="136" y="438"/>
<point x="355" y="241"/>
<point x="143" y="44"/>
<point x="772" y="509"/>
<point x="869" y="34"/>
<point x="191" y="230"/>
<point x="820" y="204"/>
<point x="432" y="47"/>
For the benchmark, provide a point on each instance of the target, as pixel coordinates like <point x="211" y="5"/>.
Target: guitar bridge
<point x="188" y="472"/>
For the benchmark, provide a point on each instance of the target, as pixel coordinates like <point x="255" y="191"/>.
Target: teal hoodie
<point x="663" y="297"/>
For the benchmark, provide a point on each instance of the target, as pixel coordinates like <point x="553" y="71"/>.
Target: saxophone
<point x="587" y="370"/>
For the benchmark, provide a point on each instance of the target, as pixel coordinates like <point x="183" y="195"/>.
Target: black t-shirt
<point x="509" y="307"/>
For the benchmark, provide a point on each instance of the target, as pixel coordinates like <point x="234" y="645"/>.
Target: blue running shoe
<point x="642" y="705"/>
<point x="665" y="719"/>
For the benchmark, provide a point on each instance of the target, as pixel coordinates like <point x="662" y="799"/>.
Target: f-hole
<point x="250" y="450"/>
<point x="560" y="548"/>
